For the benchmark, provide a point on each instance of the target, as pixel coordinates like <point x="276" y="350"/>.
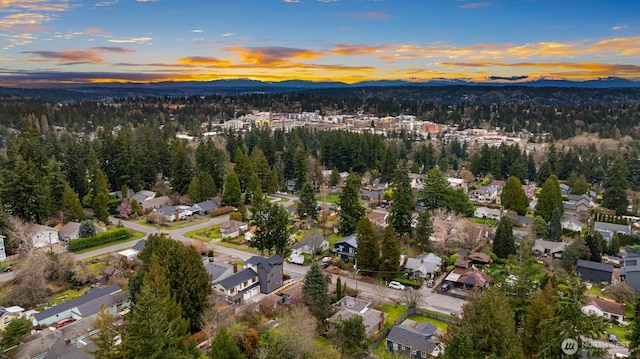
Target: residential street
<point x="432" y="301"/>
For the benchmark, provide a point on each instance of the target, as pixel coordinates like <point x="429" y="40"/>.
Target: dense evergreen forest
<point x="59" y="155"/>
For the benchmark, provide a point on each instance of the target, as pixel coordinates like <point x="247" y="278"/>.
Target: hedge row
<point x="221" y="211"/>
<point x="99" y="239"/>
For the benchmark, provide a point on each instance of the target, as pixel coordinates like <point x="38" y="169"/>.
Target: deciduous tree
<point x="224" y="347"/>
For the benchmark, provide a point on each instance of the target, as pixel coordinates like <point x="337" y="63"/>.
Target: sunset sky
<point x="47" y="42"/>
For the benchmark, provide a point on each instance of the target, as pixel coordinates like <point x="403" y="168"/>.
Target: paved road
<point x="433" y="301"/>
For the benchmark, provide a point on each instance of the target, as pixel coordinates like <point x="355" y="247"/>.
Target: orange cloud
<point x="71" y="56"/>
<point x="95" y="31"/>
<point x="203" y="60"/>
<point x="273" y="55"/>
<point x="344" y="48"/>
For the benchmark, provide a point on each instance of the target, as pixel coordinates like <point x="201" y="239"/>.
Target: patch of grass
<point x="330" y="199"/>
<point x="8" y="263"/>
<point x="618" y="331"/>
<point x="422" y="319"/>
<point x="238" y="246"/>
<point x="136" y="236"/>
<point x="492" y="222"/>
<point x="97" y="268"/>
<point x="66" y="296"/>
<point x="205" y="234"/>
<point x="394" y="311"/>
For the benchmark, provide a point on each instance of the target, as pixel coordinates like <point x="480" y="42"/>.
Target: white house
<point x="486" y="212"/>
<point x="69" y="231"/>
<point x="571" y="224"/>
<point x="239" y="287"/>
<point x="484" y="195"/>
<point x="606" y="308"/>
<point x="43" y="236"/>
<point x="3" y="253"/>
<point x="310" y="244"/>
<point x="425" y="265"/>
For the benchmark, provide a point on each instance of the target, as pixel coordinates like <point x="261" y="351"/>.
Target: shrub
<point x="221" y="211"/>
<point x="99" y="239"/>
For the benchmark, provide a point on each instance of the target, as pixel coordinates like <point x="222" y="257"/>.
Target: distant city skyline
<point x="47" y="42"/>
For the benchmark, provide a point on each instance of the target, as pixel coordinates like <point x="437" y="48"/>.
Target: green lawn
<point x="238" y="246"/>
<point x="492" y="222"/>
<point x="66" y="296"/>
<point x="136" y="235"/>
<point x="330" y="199"/>
<point x="97" y="268"/>
<point x="422" y="319"/>
<point x="394" y="311"/>
<point x="205" y="234"/>
<point x="173" y="225"/>
<point x="619" y="333"/>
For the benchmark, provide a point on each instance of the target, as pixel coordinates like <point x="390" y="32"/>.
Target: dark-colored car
<point x="445" y="287"/>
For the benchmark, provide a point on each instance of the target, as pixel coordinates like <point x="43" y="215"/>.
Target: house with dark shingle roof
<point x="310" y="244"/>
<point x="595" y="272"/>
<point x="239" y="287"/>
<point x="218" y="270"/>
<point x="65" y="310"/>
<point x="346" y="248"/>
<point x="204" y="207"/>
<point x="413" y="339"/>
<point x="608" y="230"/>
<point x="606" y="308"/>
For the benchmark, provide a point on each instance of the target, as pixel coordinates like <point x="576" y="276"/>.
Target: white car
<point x="396" y="285"/>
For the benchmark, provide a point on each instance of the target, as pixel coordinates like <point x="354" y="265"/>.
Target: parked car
<point x="430" y="283"/>
<point x="396" y="285"/>
<point x="613" y="339"/>
<point x="64" y="322"/>
<point x="445" y="287"/>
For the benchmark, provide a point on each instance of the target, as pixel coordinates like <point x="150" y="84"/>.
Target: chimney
<point x="235" y="267"/>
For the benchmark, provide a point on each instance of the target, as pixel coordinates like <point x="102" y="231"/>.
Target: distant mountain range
<point x="609" y="82"/>
<point x="495" y="90"/>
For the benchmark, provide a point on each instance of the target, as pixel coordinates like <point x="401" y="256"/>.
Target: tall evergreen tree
<point x="554" y="231"/>
<point x="435" y="188"/>
<point x="368" y="255"/>
<point x="334" y="179"/>
<point x="570" y="322"/>
<point x="615" y="187"/>
<point x="634" y="332"/>
<point x="594" y="242"/>
<point x="157" y="328"/>
<point x="181" y="167"/>
<point x="307" y="207"/>
<point x="458" y="346"/>
<point x="223" y="346"/>
<point x="232" y="195"/>
<point x="539" y="310"/>
<point x="401" y="209"/>
<point x="315" y="292"/>
<point x="243" y="168"/>
<point x="262" y="169"/>
<point x="71" y="204"/>
<point x="540" y="228"/>
<point x="56" y="184"/>
<point x="513" y="196"/>
<point x="424" y="230"/>
<point x="189" y="282"/>
<point x="212" y="160"/>
<point x="300" y="168"/>
<point x="350" y="208"/>
<point x="549" y="198"/>
<point x="22" y="191"/>
<point x="272" y="234"/>
<point x="100" y="195"/>
<point x="487" y="319"/>
<point x="390" y="253"/>
<point x="504" y="241"/>
<point x="202" y="187"/>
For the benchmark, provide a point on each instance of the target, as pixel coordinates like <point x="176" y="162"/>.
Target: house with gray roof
<point x="484" y="195"/>
<point x="239" y="287"/>
<point x="202" y="208"/>
<point x="65" y="310"/>
<point x="7" y="314"/>
<point x="630" y="272"/>
<point x="310" y="244"/>
<point x="413" y="339"/>
<point x="153" y="203"/>
<point x="346" y="247"/>
<point x="608" y="230"/>
<point x="424" y="265"/>
<point x="548" y="248"/>
<point x="595" y="272"/>
<point x="270" y="272"/>
<point x="347" y="307"/>
<point x="218" y="270"/>
<point x="69" y="231"/>
<point x="143" y="196"/>
<point x="571" y="224"/>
